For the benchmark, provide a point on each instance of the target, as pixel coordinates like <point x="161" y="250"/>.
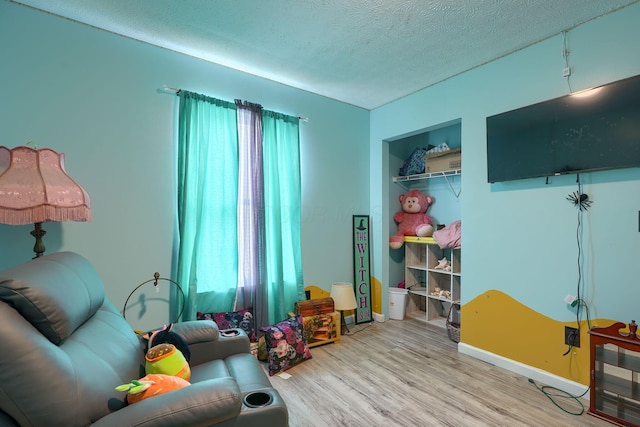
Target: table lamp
<point x="35" y="188"/>
<point x="344" y="298"/>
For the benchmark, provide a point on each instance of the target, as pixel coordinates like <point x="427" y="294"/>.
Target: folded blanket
<point x="449" y="236"/>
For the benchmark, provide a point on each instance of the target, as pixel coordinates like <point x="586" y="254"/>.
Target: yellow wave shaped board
<point x="376" y="295"/>
<point x="499" y="324"/>
<point x="317" y="292"/>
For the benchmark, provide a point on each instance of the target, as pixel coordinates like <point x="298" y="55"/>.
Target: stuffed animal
<point x="151" y="385"/>
<point x="412" y="220"/>
<point x="167" y="359"/>
<point x="166" y="335"/>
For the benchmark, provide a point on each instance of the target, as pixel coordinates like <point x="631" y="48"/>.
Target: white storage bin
<point x="397" y="303"/>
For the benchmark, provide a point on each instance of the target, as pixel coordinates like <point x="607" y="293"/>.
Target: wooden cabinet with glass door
<point x="615" y="374"/>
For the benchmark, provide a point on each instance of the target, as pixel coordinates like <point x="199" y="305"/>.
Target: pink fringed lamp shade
<point x="34" y="188"/>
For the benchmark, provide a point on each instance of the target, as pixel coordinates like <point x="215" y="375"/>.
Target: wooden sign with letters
<point x="361" y="268"/>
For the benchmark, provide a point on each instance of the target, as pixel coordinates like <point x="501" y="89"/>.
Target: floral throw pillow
<point x="286" y="344"/>
<point x="238" y="319"/>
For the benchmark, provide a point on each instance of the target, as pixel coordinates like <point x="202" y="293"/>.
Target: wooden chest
<point x="314" y="307"/>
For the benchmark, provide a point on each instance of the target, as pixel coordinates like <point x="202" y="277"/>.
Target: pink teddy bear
<point x="412" y="220"/>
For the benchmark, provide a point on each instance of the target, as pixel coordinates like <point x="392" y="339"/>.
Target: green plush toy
<point x="167" y="359"/>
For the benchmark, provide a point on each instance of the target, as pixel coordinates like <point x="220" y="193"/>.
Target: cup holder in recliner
<point x="257" y="399"/>
<point x="230" y="333"/>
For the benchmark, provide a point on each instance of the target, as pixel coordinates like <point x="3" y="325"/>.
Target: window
<point x="239" y="208"/>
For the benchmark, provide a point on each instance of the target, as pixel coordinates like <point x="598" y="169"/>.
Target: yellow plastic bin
<point x="397" y="303"/>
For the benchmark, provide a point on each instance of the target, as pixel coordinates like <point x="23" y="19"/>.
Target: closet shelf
<point x="406" y="181"/>
<point x="421" y="176"/>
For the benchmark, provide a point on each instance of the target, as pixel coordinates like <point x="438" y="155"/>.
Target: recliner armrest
<point x="204" y="403"/>
<point x="207" y="343"/>
<point x="196" y="331"/>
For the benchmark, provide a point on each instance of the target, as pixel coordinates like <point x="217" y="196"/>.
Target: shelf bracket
<point x="457" y="194"/>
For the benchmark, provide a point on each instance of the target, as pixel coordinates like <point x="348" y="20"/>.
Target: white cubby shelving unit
<point x="432" y="290"/>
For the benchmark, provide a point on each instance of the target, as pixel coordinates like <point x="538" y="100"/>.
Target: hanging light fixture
<point x="35" y="188"/>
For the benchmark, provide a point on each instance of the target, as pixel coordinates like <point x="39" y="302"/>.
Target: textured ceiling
<point x="362" y="52"/>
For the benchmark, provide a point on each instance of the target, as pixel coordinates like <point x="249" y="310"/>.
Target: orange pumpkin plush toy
<point x="151" y="385"/>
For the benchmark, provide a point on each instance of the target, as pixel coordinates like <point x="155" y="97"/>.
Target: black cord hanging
<point x="582" y="202"/>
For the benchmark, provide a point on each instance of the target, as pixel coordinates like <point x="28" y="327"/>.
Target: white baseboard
<point x="378" y="317"/>
<point x="538" y="375"/>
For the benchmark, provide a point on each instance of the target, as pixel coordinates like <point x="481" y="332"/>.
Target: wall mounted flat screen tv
<point x="584" y="132"/>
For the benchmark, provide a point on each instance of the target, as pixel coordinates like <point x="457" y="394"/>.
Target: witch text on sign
<point x="361" y="270"/>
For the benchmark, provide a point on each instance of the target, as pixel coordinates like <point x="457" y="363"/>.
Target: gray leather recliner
<point x="65" y="347"/>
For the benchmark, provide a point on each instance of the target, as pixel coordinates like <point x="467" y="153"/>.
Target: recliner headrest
<point x="56" y="293"/>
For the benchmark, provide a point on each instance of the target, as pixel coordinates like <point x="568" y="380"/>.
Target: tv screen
<point x="583" y="132"/>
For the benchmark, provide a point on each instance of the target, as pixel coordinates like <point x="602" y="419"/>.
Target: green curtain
<point x="208" y="208"/>
<point x="207" y="199"/>
<point x="281" y="151"/>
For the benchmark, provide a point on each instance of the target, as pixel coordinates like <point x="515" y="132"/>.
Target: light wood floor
<point x="408" y="373"/>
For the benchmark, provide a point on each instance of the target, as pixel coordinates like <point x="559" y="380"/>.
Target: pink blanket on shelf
<point x="450" y="236"/>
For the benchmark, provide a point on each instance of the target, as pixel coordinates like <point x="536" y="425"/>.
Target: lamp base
<point x="343" y="324"/>
<point x="38" y="233"/>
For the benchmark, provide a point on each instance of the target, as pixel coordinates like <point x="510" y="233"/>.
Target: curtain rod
<point x="173" y="90"/>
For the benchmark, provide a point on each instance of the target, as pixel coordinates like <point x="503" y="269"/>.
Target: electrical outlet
<point x="566" y="72"/>
<point x="571" y="300"/>
<point x="571" y="336"/>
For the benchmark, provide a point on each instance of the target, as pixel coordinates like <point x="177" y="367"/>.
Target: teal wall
<point x="95" y="96"/>
<point x="520" y="237"/>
